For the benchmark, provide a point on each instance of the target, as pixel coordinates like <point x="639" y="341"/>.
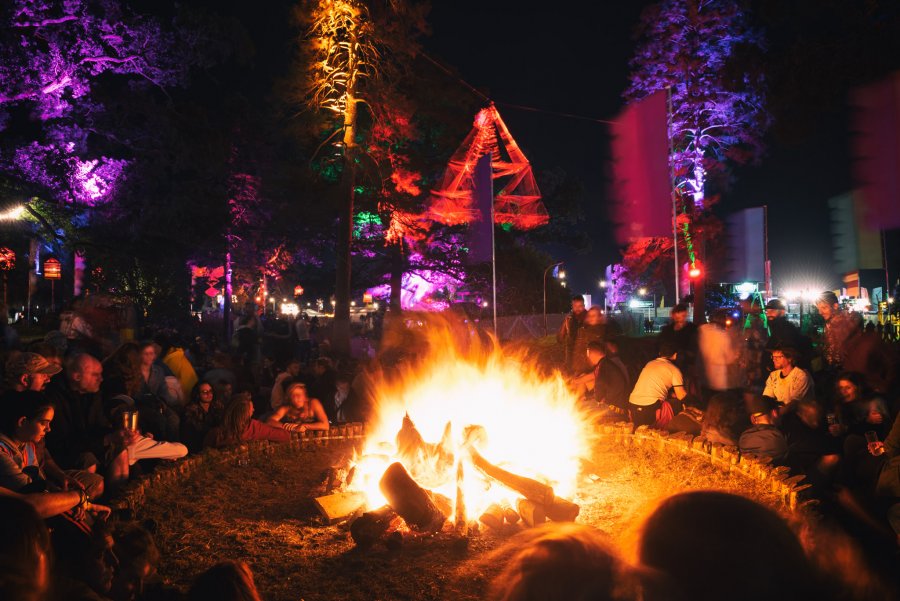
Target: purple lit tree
<point x="52" y="57"/>
<point x="706" y="53"/>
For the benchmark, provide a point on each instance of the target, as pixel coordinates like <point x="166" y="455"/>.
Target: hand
<point x="98" y="510"/>
<point x="70" y="483"/>
<point x="302" y="428"/>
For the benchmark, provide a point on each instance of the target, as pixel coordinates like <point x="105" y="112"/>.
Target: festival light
<point x="12" y="214"/>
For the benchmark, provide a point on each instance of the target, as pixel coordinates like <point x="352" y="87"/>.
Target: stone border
<point x="133" y="495"/>
<point x="726" y="458"/>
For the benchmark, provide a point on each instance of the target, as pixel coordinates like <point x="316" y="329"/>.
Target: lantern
<point x="7" y="259"/>
<point x="52" y="269"/>
<point x="298" y="290"/>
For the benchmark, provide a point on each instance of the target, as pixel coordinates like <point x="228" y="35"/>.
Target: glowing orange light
<point x="52" y="269"/>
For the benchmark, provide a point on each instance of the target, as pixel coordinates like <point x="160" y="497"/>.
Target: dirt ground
<point x="263" y="514"/>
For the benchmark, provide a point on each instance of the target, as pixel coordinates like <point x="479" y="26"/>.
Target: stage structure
<point x="488" y="154"/>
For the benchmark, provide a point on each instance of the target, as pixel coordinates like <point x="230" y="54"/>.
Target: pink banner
<point x="642" y="188"/>
<point x="877" y="151"/>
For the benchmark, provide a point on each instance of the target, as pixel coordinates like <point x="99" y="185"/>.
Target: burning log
<point x="413" y="450"/>
<point x="371" y="526"/>
<point x="461" y="524"/>
<point x="510" y="515"/>
<point x="562" y="510"/>
<point x="530" y="489"/>
<point x="493" y="516"/>
<point x="410" y="500"/>
<point x="532" y="513"/>
<point x="340" y="505"/>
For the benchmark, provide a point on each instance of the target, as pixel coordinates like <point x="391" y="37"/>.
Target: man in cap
<point x="29" y="371"/>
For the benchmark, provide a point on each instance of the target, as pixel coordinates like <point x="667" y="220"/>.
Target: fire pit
<point x="470" y="445"/>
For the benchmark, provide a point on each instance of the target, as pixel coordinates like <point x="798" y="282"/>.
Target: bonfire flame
<point x="470" y="420"/>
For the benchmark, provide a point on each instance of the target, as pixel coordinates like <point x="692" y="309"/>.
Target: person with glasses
<point x="787" y="382"/>
<point x="202" y="415"/>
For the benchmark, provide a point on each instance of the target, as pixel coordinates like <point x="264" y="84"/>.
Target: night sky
<point x="576" y="61"/>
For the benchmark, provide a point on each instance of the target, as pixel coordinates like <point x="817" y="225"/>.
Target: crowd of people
<point x="80" y="417"/>
<point x="822" y="403"/>
<point x="78" y="421"/>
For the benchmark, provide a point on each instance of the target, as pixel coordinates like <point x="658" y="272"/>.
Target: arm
<point x="55" y="473"/>
<point x="321" y="422"/>
<point x="276" y="417"/>
<point x="769" y="390"/>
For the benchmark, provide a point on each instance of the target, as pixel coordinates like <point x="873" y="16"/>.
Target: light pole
<point x="603" y="284"/>
<point x="546" y="271"/>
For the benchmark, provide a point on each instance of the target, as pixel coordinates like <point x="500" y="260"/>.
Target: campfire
<point x="467" y="435"/>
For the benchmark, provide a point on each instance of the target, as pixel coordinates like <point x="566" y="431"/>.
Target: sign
<point x="639" y="304"/>
<point x="52" y="269"/>
<point x="367" y="298"/>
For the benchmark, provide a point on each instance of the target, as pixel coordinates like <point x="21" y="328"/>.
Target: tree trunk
<point x="398" y="266"/>
<point x="340" y="336"/>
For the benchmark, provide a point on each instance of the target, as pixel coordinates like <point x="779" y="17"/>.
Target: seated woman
<point x="203" y="413"/>
<point x="299" y="412"/>
<point x="239" y="426"/>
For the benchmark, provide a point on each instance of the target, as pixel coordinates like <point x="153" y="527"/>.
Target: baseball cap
<point x="30" y="363"/>
<point x="775" y="304"/>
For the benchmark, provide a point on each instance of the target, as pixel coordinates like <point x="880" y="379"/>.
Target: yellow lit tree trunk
<point x="341" y="325"/>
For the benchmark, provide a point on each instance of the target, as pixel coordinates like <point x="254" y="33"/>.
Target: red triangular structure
<point x="518" y="202"/>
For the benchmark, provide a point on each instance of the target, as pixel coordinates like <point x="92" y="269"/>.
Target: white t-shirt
<point x="653" y="385"/>
<point x="795" y="386"/>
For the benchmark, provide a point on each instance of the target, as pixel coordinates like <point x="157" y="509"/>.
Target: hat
<point x="30" y="363"/>
<point x="775" y="304"/>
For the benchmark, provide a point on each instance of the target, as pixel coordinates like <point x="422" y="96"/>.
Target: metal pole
<point x="674" y="193"/>
<point x="887" y="280"/>
<point x="493" y="249"/>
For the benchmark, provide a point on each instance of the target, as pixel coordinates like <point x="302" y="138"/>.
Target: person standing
<point x="568" y="332"/>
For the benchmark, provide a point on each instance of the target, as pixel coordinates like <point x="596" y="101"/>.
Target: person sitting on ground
<point x="25" y="555"/>
<point x="592" y="330"/>
<point x="857" y="410"/>
<point x="712" y="545"/>
<point x="324" y="375"/>
<point x="787" y="383"/>
<point x="763" y="438"/>
<point x="299" y="412"/>
<point x="562" y="561"/>
<point x="29" y="371"/>
<point x="85" y="562"/>
<point x="610" y="381"/>
<point x="138" y="557"/>
<point x="201" y="415"/>
<point x="225" y="581"/>
<point x="25" y="465"/>
<point x="139" y="445"/>
<point x="291" y="372"/>
<point x="724" y="420"/>
<point x="811" y="450"/>
<point x="653" y="385"/>
<point x="239" y="426"/>
<point x="346" y="405"/>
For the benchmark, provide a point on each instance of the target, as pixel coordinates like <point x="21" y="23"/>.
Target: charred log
<point x="411" y="501"/>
